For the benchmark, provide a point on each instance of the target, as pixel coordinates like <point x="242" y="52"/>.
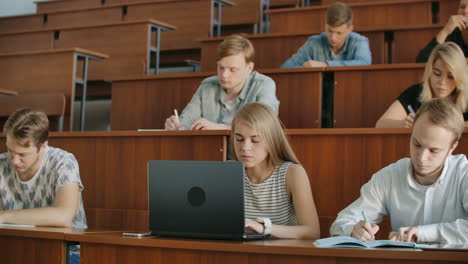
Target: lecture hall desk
<point x="113" y="248"/>
<point x="154" y="98"/>
<point x="25" y="245"/>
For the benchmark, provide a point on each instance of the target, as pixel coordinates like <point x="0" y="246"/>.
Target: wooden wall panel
<point x="40" y="40"/>
<point x="191" y="18"/>
<point x="300" y="96"/>
<point x="407" y="43"/>
<point x="24" y="73"/>
<point x="447" y="8"/>
<point x="272" y="50"/>
<point x="125" y="43"/>
<point x="41" y="251"/>
<point x="243" y="12"/>
<point x="113" y="168"/>
<point x="340" y="161"/>
<point x="154" y="99"/>
<point x="368" y="15"/>
<point x="20" y="23"/>
<point x="372" y="89"/>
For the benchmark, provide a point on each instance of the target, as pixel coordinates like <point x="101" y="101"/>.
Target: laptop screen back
<point x="199" y="199"/>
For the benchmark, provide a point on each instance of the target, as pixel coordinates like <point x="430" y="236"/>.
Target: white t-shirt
<point x="57" y="169"/>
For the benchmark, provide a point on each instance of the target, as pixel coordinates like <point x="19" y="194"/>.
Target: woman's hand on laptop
<point x="254" y="226"/>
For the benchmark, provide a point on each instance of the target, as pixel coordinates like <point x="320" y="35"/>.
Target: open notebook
<point x="351" y="242"/>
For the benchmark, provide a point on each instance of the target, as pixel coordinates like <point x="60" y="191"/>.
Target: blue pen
<point x="411" y="110"/>
<point x="365" y="219"/>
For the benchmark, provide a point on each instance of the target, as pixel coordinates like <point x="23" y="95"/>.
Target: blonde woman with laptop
<point x="278" y="196"/>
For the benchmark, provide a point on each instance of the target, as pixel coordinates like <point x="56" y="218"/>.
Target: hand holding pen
<point x="173" y="122"/>
<point x="364" y="230"/>
<point x="409" y="120"/>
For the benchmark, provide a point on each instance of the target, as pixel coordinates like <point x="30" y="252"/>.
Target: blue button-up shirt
<point x="355" y="52"/>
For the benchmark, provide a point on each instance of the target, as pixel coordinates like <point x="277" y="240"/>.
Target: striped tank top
<point x="270" y="198"/>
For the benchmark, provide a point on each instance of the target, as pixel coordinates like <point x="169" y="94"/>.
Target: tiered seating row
<point x="373" y="89"/>
<point x="130" y="45"/>
<point x="113" y="165"/>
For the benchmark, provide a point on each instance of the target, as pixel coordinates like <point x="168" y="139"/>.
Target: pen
<point x="365" y="219"/>
<point x="411" y="110"/>
<point x="176" y="114"/>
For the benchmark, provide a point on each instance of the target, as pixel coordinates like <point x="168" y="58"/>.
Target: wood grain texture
<point x="367" y="15"/>
<point x="40" y="40"/>
<point x="407" y="43"/>
<point x="23" y="250"/>
<point x="244" y="12"/>
<point x="191" y="17"/>
<point x="372" y="89"/>
<point x="272" y="50"/>
<point x="57" y="77"/>
<point x="154" y="99"/>
<point x="111" y="248"/>
<point x="126" y="44"/>
<point x="340" y="161"/>
<point x="113" y="168"/>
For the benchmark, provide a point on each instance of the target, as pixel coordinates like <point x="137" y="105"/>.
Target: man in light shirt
<point x="426" y="196"/>
<point x="337" y="46"/>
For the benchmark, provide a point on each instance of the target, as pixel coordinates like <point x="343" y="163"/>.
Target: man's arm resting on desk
<point x="60" y="214"/>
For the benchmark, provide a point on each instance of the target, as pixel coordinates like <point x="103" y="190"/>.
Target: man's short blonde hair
<point x="234" y="45"/>
<point x="27" y="126"/>
<point x="443" y="112"/>
<point x="339" y="14"/>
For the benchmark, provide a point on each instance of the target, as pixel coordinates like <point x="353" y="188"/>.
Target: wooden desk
<point x="22" y="245"/>
<point x="338" y="163"/>
<point x="48" y="71"/>
<point x="446" y="7"/>
<point x="133" y="46"/>
<point x="194" y="19"/>
<point x="387" y="45"/>
<point x="112" y="248"/>
<point x="272" y="50"/>
<point x="373" y="89"/>
<point x="367" y="15"/>
<point x="32" y="245"/>
<point x="154" y="98"/>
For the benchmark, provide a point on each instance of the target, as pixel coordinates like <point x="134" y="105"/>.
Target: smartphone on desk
<point x="137" y="234"/>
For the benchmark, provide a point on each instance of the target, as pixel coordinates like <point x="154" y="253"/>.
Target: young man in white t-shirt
<point x="425" y="196"/>
<point x="39" y="185"/>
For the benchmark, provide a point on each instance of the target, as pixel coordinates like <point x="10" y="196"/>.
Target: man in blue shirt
<point x="337" y="46"/>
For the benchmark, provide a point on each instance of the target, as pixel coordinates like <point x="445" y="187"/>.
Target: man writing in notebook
<point x="337" y="46"/>
<point x="39" y="185"/>
<point x="426" y="196"/>
<point x="219" y="97"/>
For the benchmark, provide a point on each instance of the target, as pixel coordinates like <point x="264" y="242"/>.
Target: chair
<point x="52" y="104"/>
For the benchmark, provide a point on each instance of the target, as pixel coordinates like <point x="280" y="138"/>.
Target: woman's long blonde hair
<point x="453" y="56"/>
<point x="269" y="128"/>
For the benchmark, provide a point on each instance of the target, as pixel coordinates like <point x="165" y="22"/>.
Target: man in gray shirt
<point x="219" y="97"/>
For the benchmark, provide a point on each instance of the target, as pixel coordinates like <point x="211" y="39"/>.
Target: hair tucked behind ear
<point x="262" y="118"/>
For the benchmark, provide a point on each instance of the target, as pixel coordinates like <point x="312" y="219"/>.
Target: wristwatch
<point x="266" y="224"/>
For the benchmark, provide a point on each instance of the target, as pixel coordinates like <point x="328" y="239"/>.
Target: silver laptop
<point x="197" y="199"/>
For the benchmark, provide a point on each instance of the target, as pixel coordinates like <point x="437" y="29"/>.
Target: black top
<point x="410" y="97"/>
<point x="455" y="37"/>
